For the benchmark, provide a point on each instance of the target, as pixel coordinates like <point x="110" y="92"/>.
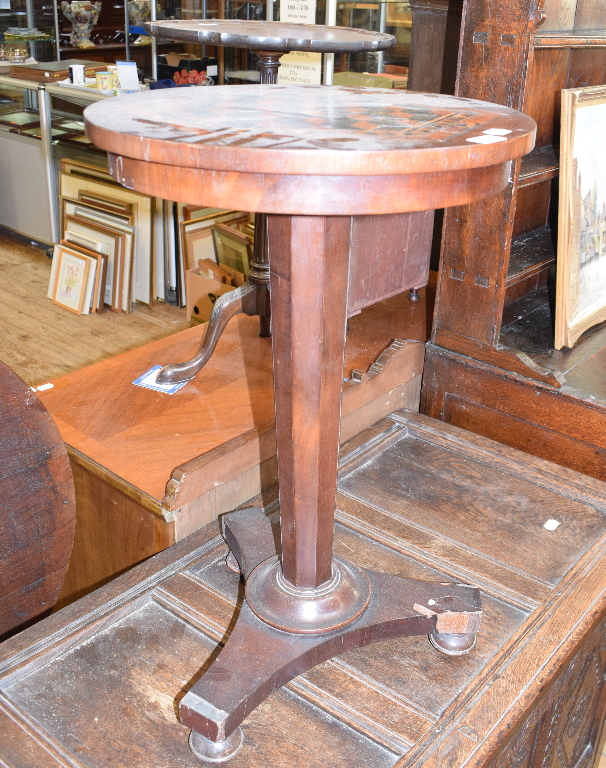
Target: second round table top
<point x="271" y="35"/>
<point x="309" y="130"/>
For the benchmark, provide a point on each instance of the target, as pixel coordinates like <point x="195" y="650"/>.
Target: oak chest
<point x="98" y="683"/>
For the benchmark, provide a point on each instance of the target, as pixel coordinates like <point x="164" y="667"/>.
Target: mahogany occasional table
<point x="270" y="40"/>
<point x="310" y="158"/>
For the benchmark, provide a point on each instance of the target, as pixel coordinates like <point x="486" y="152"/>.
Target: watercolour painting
<point x="581" y="264"/>
<point x="72" y="278"/>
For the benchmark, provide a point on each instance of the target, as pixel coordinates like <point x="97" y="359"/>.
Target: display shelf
<point x="539" y="165"/>
<point x="493" y="347"/>
<point x="571" y="38"/>
<point x="112" y="52"/>
<point x="532" y="257"/>
<point x="26" y="14"/>
<point x="30" y="158"/>
<point x="531" y="263"/>
<point x="527" y="325"/>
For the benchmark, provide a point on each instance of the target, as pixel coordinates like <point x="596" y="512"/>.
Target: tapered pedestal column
<point x="343" y="152"/>
<point x="306" y="606"/>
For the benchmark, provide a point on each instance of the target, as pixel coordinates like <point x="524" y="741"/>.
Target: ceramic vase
<point x="139" y="11"/>
<point x="83" y="16"/>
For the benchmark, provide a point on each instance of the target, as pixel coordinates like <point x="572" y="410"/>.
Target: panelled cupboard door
<point x="98" y="683"/>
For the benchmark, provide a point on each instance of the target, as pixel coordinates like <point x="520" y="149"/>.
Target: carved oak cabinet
<point x="98" y="683"/>
<point x="491" y="367"/>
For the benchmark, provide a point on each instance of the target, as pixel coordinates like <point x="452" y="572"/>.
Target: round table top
<point x="271" y="35"/>
<point x="309" y="130"/>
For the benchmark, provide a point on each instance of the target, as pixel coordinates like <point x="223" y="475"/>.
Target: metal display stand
<point x="46" y="134"/>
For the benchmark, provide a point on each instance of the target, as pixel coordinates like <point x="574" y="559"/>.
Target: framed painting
<point x="72" y="185"/>
<point x="115" y="245"/>
<point x="189" y="212"/>
<point x="581" y="263"/>
<point x="22" y="119"/>
<point x="196" y="237"/>
<point x="233" y="248"/>
<point x="75" y="167"/>
<point x="118" y="222"/>
<point x="100" y="276"/>
<point x="110" y="204"/>
<point x="72" y="285"/>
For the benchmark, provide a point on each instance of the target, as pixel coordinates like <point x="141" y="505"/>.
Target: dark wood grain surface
<point x="37" y="505"/>
<point x="500" y="392"/>
<point x="359" y="132"/>
<point x="271" y="35"/>
<point x="308" y="130"/>
<point x="340" y="151"/>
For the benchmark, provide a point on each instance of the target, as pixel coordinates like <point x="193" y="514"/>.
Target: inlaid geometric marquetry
<point x="318" y="154"/>
<point x="214" y="123"/>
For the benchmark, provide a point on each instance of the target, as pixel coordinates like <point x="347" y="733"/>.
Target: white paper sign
<point x="298" y="11"/>
<point x="127" y="73"/>
<point x="299" y="67"/>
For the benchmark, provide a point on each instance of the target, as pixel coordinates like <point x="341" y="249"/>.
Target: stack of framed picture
<point x="99" y="216"/>
<point x="135" y="248"/>
<point x="197" y="228"/>
<point x="78" y="279"/>
<point x="216" y="248"/>
<point x="233" y="243"/>
<point x="213" y="235"/>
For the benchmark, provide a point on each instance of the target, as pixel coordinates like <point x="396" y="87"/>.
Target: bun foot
<point x="232" y="563"/>
<point x="215" y="751"/>
<point x="453" y="645"/>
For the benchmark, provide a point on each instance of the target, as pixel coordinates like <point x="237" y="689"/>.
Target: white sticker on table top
<point x="551" y="525"/>
<point x="148" y="381"/>
<point x="486" y="139"/>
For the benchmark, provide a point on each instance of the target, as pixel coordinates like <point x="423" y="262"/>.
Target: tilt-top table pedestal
<point x="310" y="158"/>
<point x="270" y="40"/>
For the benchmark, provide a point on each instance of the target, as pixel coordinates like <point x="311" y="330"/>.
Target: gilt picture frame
<point x="71" y="281"/>
<point x="196" y="239"/>
<point x="581" y="257"/>
<point x="71" y="185"/>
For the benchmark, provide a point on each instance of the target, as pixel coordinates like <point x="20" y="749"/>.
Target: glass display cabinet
<point x="28" y="30"/>
<point x="39" y="127"/>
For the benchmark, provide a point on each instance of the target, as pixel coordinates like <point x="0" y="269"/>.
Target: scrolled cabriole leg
<point x="243" y="299"/>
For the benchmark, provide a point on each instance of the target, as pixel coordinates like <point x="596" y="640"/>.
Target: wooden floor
<point x="40" y="340"/>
